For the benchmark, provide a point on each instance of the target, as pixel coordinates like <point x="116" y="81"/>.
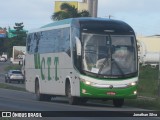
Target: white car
<point x="3" y="59"/>
<point x="14" y="75"/>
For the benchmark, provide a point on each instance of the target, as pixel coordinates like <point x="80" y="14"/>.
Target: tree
<point x="18" y="27"/>
<point x="21" y="34"/>
<point x="69" y="11"/>
<point x="15" y="37"/>
<point x="19" y="30"/>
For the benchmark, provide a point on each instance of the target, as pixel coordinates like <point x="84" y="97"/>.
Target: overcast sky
<point x="142" y="15"/>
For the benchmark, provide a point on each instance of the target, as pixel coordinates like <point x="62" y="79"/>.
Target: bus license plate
<point x="111" y="93"/>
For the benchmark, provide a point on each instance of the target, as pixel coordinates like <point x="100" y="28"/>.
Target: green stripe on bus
<point x="37" y="61"/>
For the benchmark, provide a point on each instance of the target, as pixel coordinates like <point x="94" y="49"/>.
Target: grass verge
<point x="6" y="86"/>
<point x="148" y="89"/>
<point x="150" y="104"/>
<point x="148" y="81"/>
<point x="13" y="67"/>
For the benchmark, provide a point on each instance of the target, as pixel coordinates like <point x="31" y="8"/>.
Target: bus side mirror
<point x="78" y="46"/>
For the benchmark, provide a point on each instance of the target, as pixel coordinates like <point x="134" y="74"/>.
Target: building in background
<point x="3" y="33"/>
<point x="59" y="3"/>
<point x="92" y="6"/>
<point x="18" y="54"/>
<point x="152" y="43"/>
<point x="83" y="6"/>
<point x="149" y="50"/>
<point x="89" y="5"/>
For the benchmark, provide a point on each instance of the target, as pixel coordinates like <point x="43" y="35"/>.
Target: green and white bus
<point x="82" y="58"/>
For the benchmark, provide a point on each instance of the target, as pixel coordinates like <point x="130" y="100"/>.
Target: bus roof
<point x="81" y="19"/>
<point x="56" y="23"/>
<point x="117" y="25"/>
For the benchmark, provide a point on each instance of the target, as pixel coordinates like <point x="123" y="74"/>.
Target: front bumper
<point x="94" y="92"/>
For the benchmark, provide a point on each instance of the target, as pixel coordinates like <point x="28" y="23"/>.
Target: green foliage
<point x="6" y="44"/>
<point x="148" y="89"/>
<point x="13" y="67"/>
<point x="60" y="15"/>
<point x="153" y="104"/>
<point x="148" y="81"/>
<point x="6" y="86"/>
<point x="20" y="33"/>
<point x="68" y="11"/>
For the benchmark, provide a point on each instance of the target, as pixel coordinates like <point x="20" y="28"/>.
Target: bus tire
<point x="118" y="102"/>
<point x="71" y="99"/>
<point x="39" y="96"/>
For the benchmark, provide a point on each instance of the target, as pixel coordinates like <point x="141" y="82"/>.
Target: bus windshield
<point x="109" y="55"/>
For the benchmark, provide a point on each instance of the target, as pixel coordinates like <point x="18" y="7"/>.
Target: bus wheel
<point x="39" y="96"/>
<point x="118" y="102"/>
<point x="72" y="100"/>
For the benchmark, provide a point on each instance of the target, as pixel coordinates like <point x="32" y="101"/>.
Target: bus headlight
<point x="85" y="82"/>
<point x="135" y="92"/>
<point x="133" y="84"/>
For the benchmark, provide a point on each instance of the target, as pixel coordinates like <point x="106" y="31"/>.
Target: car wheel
<point x="6" y="80"/>
<point x="9" y="80"/>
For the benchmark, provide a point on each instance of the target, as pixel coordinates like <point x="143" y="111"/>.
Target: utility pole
<point x="110" y="16"/>
<point x="92" y="7"/>
<point x="95" y="8"/>
<point x="84" y="1"/>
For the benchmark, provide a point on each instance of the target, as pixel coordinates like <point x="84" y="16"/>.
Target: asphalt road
<point x="11" y="100"/>
<point x="25" y="101"/>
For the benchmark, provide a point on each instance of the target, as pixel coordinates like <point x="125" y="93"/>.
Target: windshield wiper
<point x="120" y="70"/>
<point x="103" y="64"/>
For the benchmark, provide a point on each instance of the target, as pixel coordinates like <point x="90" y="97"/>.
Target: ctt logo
<point x="45" y="63"/>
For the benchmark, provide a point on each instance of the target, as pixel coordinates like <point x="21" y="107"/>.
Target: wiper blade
<point x="121" y="71"/>
<point x="103" y="64"/>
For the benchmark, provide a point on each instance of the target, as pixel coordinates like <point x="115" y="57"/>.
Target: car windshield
<point x="109" y="55"/>
<point x="16" y="72"/>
